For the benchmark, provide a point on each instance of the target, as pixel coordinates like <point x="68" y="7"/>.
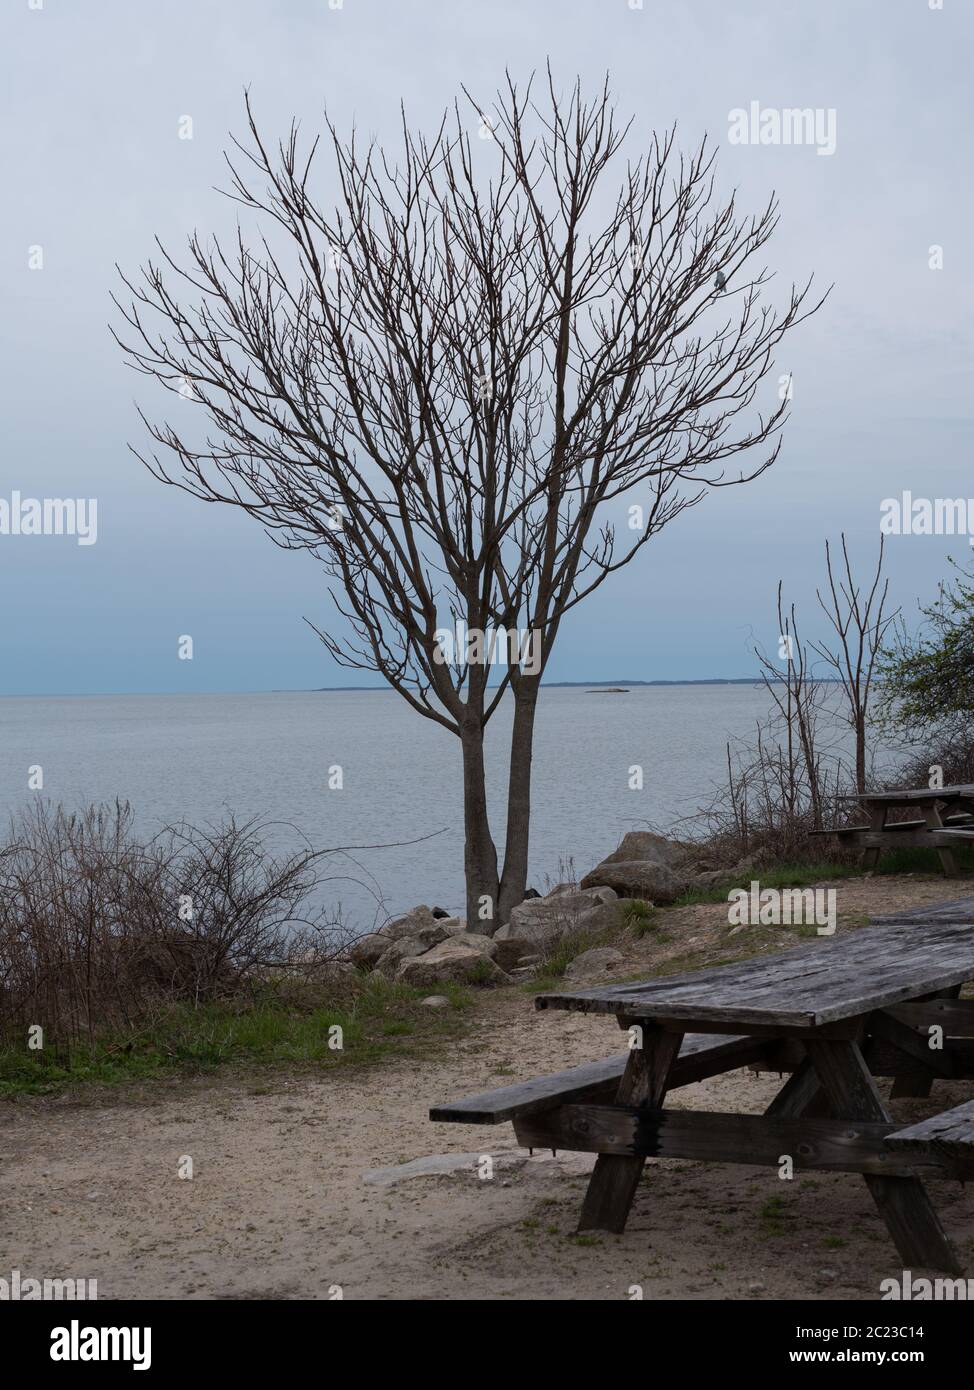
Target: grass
<point x="376" y="1020"/>
<point x="561" y="956"/>
<point x="640" y="917"/>
<point x="800" y="875"/>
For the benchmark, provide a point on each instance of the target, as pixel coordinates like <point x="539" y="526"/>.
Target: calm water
<point x="195" y="756"/>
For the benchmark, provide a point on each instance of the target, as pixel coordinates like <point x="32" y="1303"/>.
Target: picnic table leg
<point x="802" y="1094"/>
<point x="614" y="1179"/>
<point x="903" y="1203"/>
<point x="931" y="814"/>
<point x="919" y="1083"/>
<point x="877" y="821"/>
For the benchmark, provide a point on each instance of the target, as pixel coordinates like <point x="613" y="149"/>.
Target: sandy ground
<point x="279" y="1206"/>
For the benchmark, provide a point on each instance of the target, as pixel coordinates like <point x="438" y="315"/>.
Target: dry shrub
<point x="99" y="926"/>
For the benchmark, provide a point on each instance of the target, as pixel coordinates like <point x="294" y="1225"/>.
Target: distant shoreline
<point x="337" y="689"/>
<point x="592" y="685"/>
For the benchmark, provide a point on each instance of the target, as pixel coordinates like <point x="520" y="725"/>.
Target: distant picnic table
<point x="946" y="819"/>
<point x="834" y="1014"/>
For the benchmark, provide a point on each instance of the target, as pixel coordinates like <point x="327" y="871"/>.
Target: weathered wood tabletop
<point x="863" y="1005"/>
<point x="804" y="988"/>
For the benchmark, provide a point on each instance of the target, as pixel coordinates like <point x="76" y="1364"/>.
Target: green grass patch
<point x="800" y="875"/>
<point x="639" y="916"/>
<point x="377" y="1019"/>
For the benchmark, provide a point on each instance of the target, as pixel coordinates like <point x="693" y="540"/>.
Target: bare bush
<point x="99" y="926"/>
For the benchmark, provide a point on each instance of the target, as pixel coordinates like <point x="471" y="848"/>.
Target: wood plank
<point x="954" y="1016"/>
<point x="701" y="1056"/>
<point x="856" y="829"/>
<point x="959" y="910"/>
<point x="800" y="1093"/>
<point x="903" y="1202"/>
<point x="920" y="1016"/>
<point x="915" y="839"/>
<point x="957" y="790"/>
<point x="825" y="982"/>
<point x="911" y="1044"/>
<point x="826" y="1145"/>
<point x="949" y="1136"/>
<point x="614" y="1179"/>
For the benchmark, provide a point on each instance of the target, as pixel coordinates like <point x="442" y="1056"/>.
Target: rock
<point x="522" y="973"/>
<point x="711" y="878"/>
<point x="367" y="949"/>
<point x="410" y="924"/>
<point x="560" y="888"/>
<point x="644" y="866"/>
<point x="452" y="925"/>
<point x="510" y="951"/>
<point x="643" y="844"/>
<point x="435" y="1001"/>
<point x="404" y="949"/>
<point x="457" y="958"/>
<point x="736" y="931"/>
<point x="541" y="923"/>
<point x="529" y="960"/>
<point x="599" y="961"/>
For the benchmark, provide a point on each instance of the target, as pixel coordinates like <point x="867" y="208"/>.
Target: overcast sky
<point x="92" y="99"/>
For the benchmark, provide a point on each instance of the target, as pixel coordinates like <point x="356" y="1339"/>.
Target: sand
<point x="279" y="1205"/>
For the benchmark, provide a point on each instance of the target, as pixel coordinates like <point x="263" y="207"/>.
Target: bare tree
<point x="857" y="616"/>
<point x="797" y="697"/>
<point x="441" y="387"/>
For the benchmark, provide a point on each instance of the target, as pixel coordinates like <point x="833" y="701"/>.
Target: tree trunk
<point x="860" y="726"/>
<point x="479" y="853"/>
<point x="515" y="877"/>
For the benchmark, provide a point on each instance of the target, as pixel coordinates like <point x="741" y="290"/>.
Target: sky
<point x="94" y="99"/>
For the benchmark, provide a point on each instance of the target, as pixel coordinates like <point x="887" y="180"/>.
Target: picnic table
<point x="834" y="1015"/>
<point x="945" y="819"/>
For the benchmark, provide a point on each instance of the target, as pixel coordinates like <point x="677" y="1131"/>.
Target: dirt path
<point x="279" y="1207"/>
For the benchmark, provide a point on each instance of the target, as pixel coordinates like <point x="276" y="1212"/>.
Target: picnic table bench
<point x="834" y="1015"/>
<point x="937" y="829"/>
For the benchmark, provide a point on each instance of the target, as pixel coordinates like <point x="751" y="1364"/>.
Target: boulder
<point x="456" y="958"/>
<point x="639" y="878"/>
<point x="599" y="961"/>
<point x="643" y="844"/>
<point x="712" y="878"/>
<point x="540" y="924"/>
<point x="403" y="949"/>
<point x="367" y="949"/>
<point x="435" y="1001"/>
<point x="410" y="924"/>
<point x="644" y="866"/>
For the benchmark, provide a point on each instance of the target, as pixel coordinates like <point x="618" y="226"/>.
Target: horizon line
<point x="617" y="683"/>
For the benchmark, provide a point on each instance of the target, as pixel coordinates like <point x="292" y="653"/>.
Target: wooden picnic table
<point x="834" y="1014"/>
<point x="944" y="820"/>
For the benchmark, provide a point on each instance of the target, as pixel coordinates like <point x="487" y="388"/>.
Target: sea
<point x="359" y="773"/>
